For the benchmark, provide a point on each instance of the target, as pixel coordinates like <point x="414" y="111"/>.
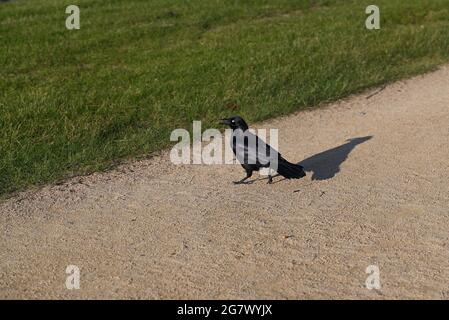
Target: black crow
<point x="253" y="153"/>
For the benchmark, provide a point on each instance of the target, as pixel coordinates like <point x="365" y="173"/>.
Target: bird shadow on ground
<point x="325" y="165"/>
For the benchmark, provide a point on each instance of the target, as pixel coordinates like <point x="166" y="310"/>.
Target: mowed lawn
<point x="72" y="102"/>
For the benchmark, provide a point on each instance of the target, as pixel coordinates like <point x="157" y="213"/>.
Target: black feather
<point x="289" y="170"/>
<point x="258" y="154"/>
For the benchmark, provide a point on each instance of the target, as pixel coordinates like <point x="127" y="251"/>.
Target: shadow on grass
<point x="326" y="165"/>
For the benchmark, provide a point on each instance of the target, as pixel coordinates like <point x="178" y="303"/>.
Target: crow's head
<point x="235" y="123"/>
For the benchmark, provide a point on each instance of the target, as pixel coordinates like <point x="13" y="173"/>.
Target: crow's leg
<point x="270" y="177"/>
<point x="249" y="173"/>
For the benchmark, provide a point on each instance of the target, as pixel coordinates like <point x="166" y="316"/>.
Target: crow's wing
<point x="250" y="149"/>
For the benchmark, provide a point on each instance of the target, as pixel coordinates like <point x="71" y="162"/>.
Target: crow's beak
<point x="225" y="121"/>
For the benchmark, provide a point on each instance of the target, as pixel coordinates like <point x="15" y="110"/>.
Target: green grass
<point x="73" y="102"/>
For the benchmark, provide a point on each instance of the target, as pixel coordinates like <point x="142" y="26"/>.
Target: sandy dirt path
<point x="151" y="229"/>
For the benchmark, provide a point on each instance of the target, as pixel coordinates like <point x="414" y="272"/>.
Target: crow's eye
<point x="232" y="121"/>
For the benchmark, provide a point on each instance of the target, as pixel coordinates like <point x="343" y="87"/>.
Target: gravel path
<point x="376" y="193"/>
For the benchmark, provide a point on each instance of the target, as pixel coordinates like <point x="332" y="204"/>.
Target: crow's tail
<point x="290" y="170"/>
